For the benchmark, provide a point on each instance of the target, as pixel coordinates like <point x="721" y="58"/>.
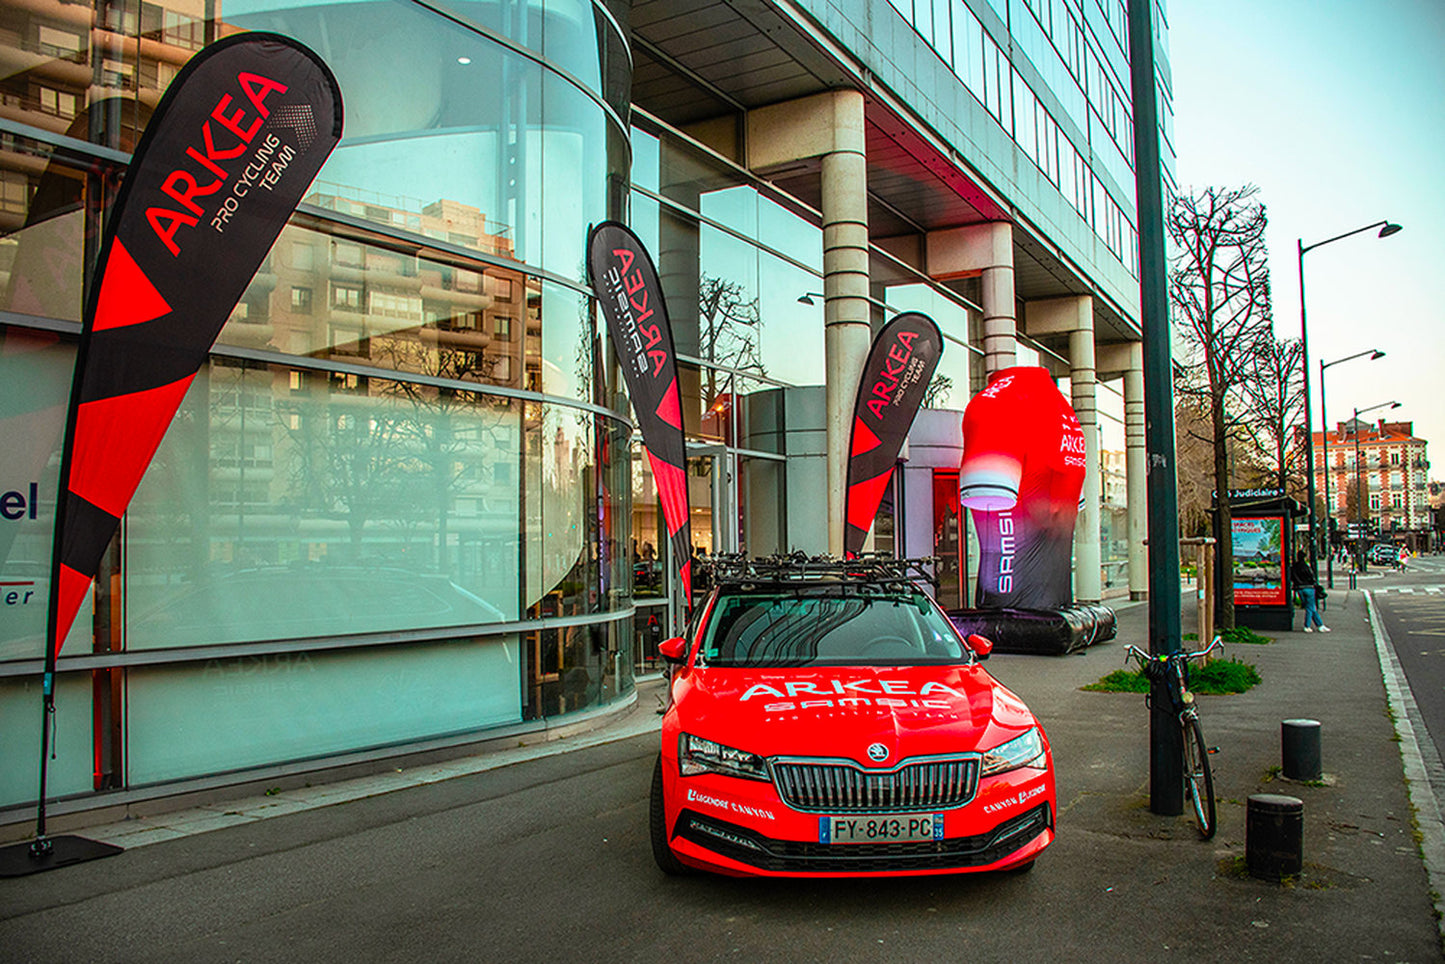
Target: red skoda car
<point x="828" y="720"/>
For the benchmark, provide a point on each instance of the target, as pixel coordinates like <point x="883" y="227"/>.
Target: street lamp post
<point x="1359" y="474"/>
<point x="1387" y="228"/>
<point x="1374" y="353"/>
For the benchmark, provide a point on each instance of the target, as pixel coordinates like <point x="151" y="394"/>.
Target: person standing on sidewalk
<point x="1303" y="577"/>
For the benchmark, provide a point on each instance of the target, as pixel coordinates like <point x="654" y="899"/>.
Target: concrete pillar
<point x="1074" y="316"/>
<point x="830" y="127"/>
<point x="1136" y="469"/>
<point x="984" y="251"/>
<point x="1128" y="360"/>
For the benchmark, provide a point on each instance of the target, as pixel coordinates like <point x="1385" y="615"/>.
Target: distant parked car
<point x="1385" y="554"/>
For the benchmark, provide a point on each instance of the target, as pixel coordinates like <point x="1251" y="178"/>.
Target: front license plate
<point x="907" y="828"/>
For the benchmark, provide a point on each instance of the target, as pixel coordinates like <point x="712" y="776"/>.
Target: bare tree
<point x="938" y="390"/>
<point x="729" y="325"/>
<point x="1275" y="393"/>
<point x="1194" y="456"/>
<point x="1219" y="288"/>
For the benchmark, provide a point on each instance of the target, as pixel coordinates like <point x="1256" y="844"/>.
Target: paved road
<point x="1411" y="605"/>
<point x="547" y="859"/>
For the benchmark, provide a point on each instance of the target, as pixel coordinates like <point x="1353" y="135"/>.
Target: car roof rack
<point x="869" y="569"/>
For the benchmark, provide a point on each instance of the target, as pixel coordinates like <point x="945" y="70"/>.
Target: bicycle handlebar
<point x="1143" y="655"/>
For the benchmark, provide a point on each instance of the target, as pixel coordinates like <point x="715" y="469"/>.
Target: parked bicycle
<point x="1172" y="670"/>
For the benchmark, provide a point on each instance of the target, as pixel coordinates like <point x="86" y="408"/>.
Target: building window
<point x="59" y="43"/>
<point x="502" y="327"/>
<point x="117" y="73"/>
<point x="301" y="300"/>
<point x="345" y="298"/>
<point x="14" y="191"/>
<point x="57" y="102"/>
<point x="184" y="31"/>
<point x="303" y="257"/>
<point x="344" y="252"/>
<point x="395" y="305"/>
<point x="349" y="338"/>
<point x="501" y="289"/>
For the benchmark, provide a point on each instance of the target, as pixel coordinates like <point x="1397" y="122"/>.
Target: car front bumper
<point x="742" y="828"/>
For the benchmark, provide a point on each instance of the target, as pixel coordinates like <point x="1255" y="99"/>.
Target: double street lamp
<point x="1360" y="508"/>
<point x="1374" y="353"/>
<point x="1387" y="228"/>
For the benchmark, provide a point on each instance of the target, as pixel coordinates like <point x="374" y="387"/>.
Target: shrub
<point x="1223" y="676"/>
<point x="1243" y="634"/>
<point x="1215" y="678"/>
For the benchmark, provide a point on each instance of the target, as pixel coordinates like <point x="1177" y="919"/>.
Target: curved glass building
<point x="403" y="508"/>
<point x="389" y="510"/>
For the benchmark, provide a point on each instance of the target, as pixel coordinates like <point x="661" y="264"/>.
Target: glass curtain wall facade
<point x="1054" y="74"/>
<point x="741" y="264"/>
<point x="393" y="506"/>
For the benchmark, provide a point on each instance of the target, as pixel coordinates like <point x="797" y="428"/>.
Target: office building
<point x="402" y="506"/>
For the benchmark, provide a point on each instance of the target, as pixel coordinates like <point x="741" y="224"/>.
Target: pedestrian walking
<point x="1302" y="574"/>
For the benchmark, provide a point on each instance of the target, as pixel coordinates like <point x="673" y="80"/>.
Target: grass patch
<point x="1121" y="681"/>
<point x="1215" y="678"/>
<point x="1243" y="634"/>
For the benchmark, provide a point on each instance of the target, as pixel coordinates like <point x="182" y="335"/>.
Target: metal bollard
<point x="1299" y="742"/>
<point x="1274" y="835"/>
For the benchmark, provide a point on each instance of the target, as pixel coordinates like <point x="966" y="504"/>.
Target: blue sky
<point x="1335" y="109"/>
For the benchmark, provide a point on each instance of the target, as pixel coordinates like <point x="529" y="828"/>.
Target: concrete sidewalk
<point x="1364" y="893"/>
<point x="1119" y="883"/>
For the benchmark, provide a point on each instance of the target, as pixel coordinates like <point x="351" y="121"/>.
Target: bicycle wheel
<point x="1198" y="781"/>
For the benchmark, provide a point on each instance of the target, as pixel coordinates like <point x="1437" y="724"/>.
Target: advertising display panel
<point x="1259" y="561"/>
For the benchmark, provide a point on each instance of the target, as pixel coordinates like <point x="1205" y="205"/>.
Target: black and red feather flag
<point x="899" y="367"/>
<point x="228" y="154"/>
<point x="630" y="295"/>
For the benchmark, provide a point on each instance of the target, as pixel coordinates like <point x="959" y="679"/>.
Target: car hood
<point x="842" y="711"/>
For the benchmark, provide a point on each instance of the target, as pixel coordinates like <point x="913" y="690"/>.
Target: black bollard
<point x="1299" y="742"/>
<point x="1274" y="836"/>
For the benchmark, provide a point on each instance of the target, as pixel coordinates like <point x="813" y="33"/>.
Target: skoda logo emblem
<point x="877" y="752"/>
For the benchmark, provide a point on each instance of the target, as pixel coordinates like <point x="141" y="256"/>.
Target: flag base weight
<point x="33" y="856"/>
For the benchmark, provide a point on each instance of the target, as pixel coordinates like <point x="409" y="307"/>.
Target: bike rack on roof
<point x="872" y="570"/>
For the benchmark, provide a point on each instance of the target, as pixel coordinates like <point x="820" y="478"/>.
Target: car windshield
<point x="829" y="627"/>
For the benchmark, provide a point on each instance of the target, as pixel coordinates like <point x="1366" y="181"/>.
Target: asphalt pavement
<point x="541" y="853"/>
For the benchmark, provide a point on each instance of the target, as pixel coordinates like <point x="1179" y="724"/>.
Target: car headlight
<point x="1021" y="751"/>
<point x="697" y="756"/>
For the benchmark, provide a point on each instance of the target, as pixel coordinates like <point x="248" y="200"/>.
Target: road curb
<point x="1421" y="763"/>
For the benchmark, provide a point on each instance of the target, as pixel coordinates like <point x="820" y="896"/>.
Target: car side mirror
<point x="673" y="650"/>
<point x="981" y="645"/>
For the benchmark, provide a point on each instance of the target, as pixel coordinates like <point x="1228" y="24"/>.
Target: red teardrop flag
<point x="630" y="295"/>
<point x="899" y="367"/>
<point x="227" y="155"/>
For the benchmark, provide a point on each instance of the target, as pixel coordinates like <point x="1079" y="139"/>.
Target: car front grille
<point x="837" y="786"/>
